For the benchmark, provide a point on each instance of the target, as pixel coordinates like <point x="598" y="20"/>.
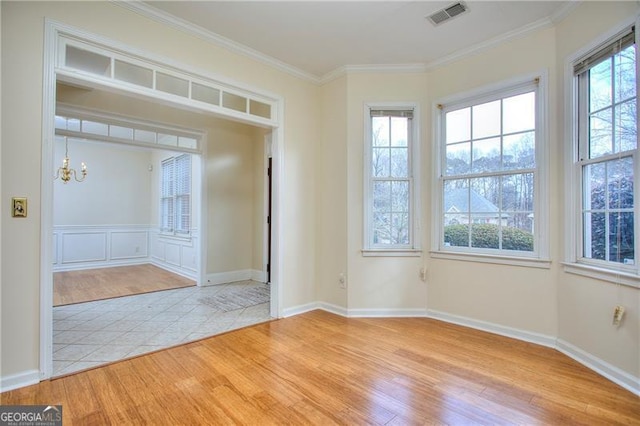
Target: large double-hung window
<point x="175" y="197"/>
<point x="606" y="148"/>
<point x="490" y="173"/>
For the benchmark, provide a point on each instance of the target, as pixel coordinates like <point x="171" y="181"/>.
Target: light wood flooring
<point x="319" y="368"/>
<point x="105" y="283"/>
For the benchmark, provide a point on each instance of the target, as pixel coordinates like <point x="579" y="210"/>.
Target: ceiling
<point x="317" y="38"/>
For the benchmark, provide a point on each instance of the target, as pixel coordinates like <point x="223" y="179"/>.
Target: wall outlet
<point x="423" y="274"/>
<point x="342" y="280"/>
<point x="618" y="314"/>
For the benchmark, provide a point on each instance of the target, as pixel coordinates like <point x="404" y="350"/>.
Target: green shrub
<point x="486" y="236"/>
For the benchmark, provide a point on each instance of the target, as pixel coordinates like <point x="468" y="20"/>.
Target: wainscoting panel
<point x="86" y="247"/>
<point x="176" y="254"/>
<point x="79" y="247"/>
<point x="128" y="245"/>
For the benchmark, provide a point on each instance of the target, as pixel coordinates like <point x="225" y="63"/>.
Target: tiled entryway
<point x="89" y="334"/>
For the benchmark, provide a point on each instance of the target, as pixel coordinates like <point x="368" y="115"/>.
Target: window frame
<point x="175" y="197"/>
<point x="576" y="89"/>
<point x="539" y="257"/>
<point x="413" y="145"/>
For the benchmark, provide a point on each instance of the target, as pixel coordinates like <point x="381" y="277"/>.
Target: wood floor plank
<point x="105" y="283"/>
<point x="322" y="369"/>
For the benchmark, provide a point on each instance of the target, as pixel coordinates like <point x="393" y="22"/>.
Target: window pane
<point x="458" y="125"/>
<point x="382" y="196"/>
<point x="625" y="74"/>
<point x="486" y="155"/>
<point x="594" y="185"/>
<point x="456" y="196"/>
<point x="400" y="228"/>
<point x="484" y="196"/>
<point x="399" y="162"/>
<point x="519" y="151"/>
<point x="595" y="236"/>
<point x="517" y="192"/>
<point x="458" y="158"/>
<point x="625" y="127"/>
<point x="620" y="183"/>
<point x="519" y="113"/>
<point x="621" y="238"/>
<point x="600" y="86"/>
<point x="400" y="196"/>
<point x="399" y="131"/>
<point x="484" y="236"/>
<point x="382" y="228"/>
<point x="380" y="162"/>
<point x="600" y="134"/>
<point x="486" y="120"/>
<point x="380" y="131"/>
<point x="456" y="231"/>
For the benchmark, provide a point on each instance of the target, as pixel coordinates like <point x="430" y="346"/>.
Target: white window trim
<point x="540" y="257"/>
<point x="414" y="249"/>
<point x="573" y="264"/>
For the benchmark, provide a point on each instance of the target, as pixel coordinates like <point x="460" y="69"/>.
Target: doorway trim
<point x="54" y="31"/>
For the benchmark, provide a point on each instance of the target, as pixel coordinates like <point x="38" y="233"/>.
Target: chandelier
<point x="64" y="172"/>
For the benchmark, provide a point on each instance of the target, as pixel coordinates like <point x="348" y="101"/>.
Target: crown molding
<point x="480" y="47"/>
<point x="235" y="47"/>
<point x="211" y="37"/>
<point x="372" y="69"/>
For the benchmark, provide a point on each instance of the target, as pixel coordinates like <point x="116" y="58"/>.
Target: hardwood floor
<point x="319" y="368"/>
<point x="105" y="283"/>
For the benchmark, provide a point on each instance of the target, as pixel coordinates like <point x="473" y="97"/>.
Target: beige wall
<point x="22" y="55"/>
<point x="332" y="196"/>
<point x="585" y="306"/>
<point x="380" y="283"/>
<point x="519" y="297"/>
<point x="322" y="183"/>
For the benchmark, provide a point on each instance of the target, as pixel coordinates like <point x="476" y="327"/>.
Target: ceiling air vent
<point x="447" y="13"/>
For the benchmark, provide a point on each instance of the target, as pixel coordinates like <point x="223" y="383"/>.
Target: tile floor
<point x="89" y="334"/>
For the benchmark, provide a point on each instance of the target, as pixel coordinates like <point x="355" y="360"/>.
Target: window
<point x="606" y="141"/>
<point x="390" y="175"/>
<point x="490" y="173"/>
<point x="175" y="200"/>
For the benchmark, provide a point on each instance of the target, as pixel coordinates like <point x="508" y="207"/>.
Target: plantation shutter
<point x="183" y="193"/>
<point x="166" y="198"/>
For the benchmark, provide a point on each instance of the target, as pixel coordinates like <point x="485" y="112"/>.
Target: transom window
<point x="389" y="176"/>
<point x="175" y="199"/>
<point x="490" y="172"/>
<point x="607" y="142"/>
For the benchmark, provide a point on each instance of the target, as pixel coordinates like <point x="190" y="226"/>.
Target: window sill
<point x="602" y="274"/>
<point x="183" y="238"/>
<point x="495" y="259"/>
<point x="391" y="252"/>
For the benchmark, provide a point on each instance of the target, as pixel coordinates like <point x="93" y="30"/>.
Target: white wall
<point x="116" y="190"/>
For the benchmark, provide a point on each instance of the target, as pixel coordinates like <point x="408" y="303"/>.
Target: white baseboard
<point x="259" y="276"/>
<point x="611" y="372"/>
<point x="20" y="380"/>
<point x="334" y="309"/>
<point x="229" y="277"/>
<point x="192" y="275"/>
<point x="515" y="333"/>
<point x="387" y="313"/>
<point x="96" y="265"/>
<point x="301" y="309"/>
